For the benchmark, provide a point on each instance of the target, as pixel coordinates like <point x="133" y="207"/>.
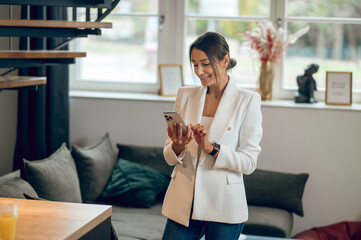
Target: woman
<point x="221" y="144"/>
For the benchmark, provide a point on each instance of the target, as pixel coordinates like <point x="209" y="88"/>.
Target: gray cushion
<point x="31" y="197"/>
<point x="55" y="178"/>
<point x="266" y="221"/>
<point x="136" y="223"/>
<point x="15" y="188"/>
<point x="95" y="164"/>
<point x="9" y="176"/>
<point x="156" y="209"/>
<point x="149" y="156"/>
<point x="276" y="189"/>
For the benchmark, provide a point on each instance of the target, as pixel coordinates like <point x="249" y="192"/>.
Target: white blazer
<point x="215" y="187"/>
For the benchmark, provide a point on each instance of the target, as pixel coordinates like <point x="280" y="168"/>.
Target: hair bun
<point x="232" y="63"/>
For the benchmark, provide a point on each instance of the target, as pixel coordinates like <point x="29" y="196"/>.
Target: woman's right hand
<point x="179" y="141"/>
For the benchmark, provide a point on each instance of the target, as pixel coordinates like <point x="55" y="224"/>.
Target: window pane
<point x="334" y="47"/>
<point x="324" y="8"/>
<point x="137" y="6"/>
<point x="125" y="53"/>
<point x="246" y="70"/>
<point x="229" y="7"/>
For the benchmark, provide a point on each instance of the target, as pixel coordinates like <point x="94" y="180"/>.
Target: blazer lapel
<point x="193" y="114"/>
<point x="225" y="111"/>
<point x="194" y="106"/>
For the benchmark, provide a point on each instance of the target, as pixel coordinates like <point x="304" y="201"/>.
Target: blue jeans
<point x="213" y="230"/>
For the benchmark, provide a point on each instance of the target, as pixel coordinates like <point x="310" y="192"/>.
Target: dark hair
<point x="215" y="46"/>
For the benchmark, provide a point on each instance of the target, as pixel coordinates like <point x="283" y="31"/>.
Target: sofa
<point x="134" y="180"/>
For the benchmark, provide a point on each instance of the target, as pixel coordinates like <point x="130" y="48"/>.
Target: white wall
<point x="322" y="143"/>
<point x="325" y="144"/>
<point x="127" y="121"/>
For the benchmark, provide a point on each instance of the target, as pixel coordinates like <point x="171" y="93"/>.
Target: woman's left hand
<point x="200" y="134"/>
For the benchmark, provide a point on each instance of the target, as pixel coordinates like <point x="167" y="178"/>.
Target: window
<point x="229" y="18"/>
<point x="333" y="42"/>
<point x="126" y="57"/>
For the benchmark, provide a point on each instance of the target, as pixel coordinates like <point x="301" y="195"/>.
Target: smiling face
<point x="204" y="70"/>
<point x="203" y="67"/>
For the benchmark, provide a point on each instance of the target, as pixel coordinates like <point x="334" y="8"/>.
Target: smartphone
<point x="175" y="117"/>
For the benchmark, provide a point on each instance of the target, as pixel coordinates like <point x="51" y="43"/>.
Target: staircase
<point x="47" y="28"/>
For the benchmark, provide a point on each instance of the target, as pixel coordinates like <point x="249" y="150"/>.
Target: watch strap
<point x="216" y="148"/>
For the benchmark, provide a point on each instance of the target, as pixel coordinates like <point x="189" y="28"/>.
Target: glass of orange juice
<point x="8" y="219"/>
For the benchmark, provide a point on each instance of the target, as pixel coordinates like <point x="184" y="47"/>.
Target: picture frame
<point x="338" y="88"/>
<point x="171" y="79"/>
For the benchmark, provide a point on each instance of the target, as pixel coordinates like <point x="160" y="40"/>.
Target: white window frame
<point x="171" y="49"/>
<point x="164" y="55"/>
<point x="235" y="18"/>
<point x="279" y="90"/>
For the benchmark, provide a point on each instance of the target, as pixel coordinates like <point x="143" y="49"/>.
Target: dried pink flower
<point x="268" y="41"/>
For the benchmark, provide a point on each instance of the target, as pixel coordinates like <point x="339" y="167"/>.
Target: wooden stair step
<point x="24" y="54"/>
<point x="53" y="24"/>
<point x="20" y="81"/>
<point x="60" y="3"/>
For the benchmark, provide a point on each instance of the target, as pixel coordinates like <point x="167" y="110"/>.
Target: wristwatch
<point x="216" y="148"/>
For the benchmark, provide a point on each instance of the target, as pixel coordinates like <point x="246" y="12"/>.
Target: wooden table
<point x="59" y="220"/>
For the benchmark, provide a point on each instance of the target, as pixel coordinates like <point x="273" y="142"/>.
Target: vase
<point x="266" y="76"/>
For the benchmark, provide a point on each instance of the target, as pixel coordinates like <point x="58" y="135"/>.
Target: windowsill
<point x="158" y="98"/>
<point x="318" y="105"/>
<point x="121" y="96"/>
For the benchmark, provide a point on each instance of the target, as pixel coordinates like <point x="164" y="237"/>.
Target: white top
<point x="206" y="121"/>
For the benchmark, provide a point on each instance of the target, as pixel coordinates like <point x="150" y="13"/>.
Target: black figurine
<point x="306" y="85"/>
